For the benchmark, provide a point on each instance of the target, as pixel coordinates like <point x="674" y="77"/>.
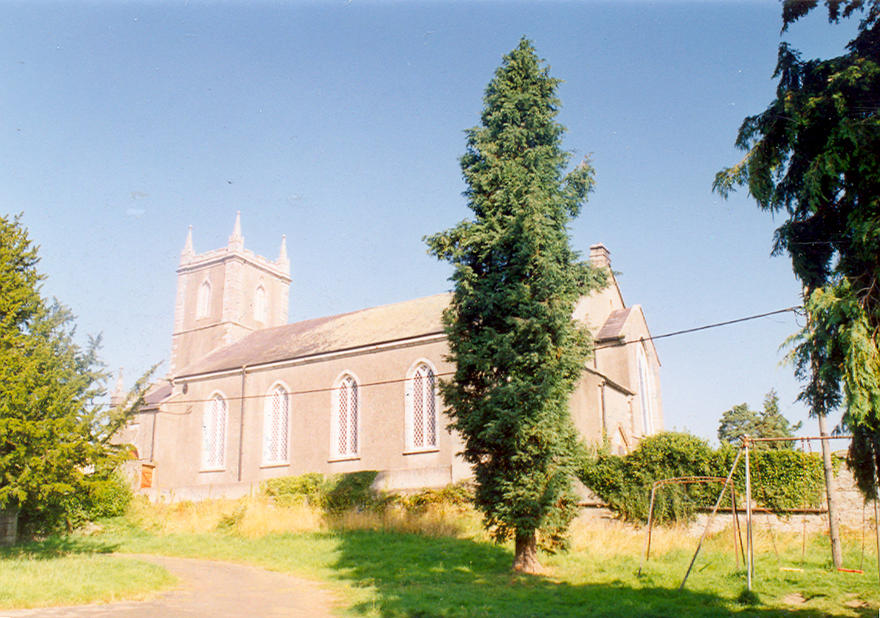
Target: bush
<point x="334" y="494"/>
<point x="625" y="482"/>
<point x="458" y="495"/>
<point x="303" y="489"/>
<point x="353" y="491"/>
<point x="108" y="497"/>
<point x="781" y="478"/>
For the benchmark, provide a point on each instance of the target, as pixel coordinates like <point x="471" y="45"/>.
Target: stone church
<point x="249" y="396"/>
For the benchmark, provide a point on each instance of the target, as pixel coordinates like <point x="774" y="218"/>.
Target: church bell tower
<point x="224" y="294"/>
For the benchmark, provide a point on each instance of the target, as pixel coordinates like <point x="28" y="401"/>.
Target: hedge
<point x="353" y="491"/>
<point x="781" y="478"/>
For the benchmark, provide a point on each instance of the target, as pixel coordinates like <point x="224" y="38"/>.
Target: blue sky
<point x="340" y="124"/>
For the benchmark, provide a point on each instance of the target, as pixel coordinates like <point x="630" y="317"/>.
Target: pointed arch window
<point x="203" y="306"/>
<point x="276" y="421"/>
<point x="421" y="409"/>
<point x="646" y="392"/>
<point x="345" y="417"/>
<point x="260" y="305"/>
<point x="214" y="434"/>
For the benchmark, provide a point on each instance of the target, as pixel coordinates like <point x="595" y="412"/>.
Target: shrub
<point x="108" y="497"/>
<point x="457" y="495"/>
<point x="781" y="478"/>
<point x="334" y="494"/>
<point x="352" y="490"/>
<point x="338" y="493"/>
<point x="303" y="489"/>
<point x="625" y="482"/>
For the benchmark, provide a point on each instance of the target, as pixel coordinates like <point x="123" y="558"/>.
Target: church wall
<point x="172" y="439"/>
<point x="585" y="407"/>
<point x="382" y="411"/>
<point x="276" y="298"/>
<point x="382" y="429"/>
<point x="619" y="420"/>
<point x="594" y="398"/>
<point x="196" y="337"/>
<point x="615" y="362"/>
<point x="634" y="330"/>
<point x="595" y="308"/>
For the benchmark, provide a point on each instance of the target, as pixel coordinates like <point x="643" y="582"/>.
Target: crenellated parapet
<point x="225" y="293"/>
<point x="190" y="260"/>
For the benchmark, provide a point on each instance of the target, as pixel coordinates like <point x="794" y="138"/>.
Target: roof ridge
<point x="310" y="336"/>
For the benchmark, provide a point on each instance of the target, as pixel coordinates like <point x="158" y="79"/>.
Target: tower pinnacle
<point x="283" y="261"/>
<point x="188" y="251"/>
<point x="236" y="241"/>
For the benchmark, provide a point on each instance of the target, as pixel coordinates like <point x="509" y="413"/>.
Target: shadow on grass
<point x="414" y="575"/>
<point x="56" y="546"/>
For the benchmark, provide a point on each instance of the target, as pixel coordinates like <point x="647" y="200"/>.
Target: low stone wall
<point x="853" y="512"/>
<point x="8" y="526"/>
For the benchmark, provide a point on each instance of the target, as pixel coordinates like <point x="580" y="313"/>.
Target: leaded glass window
<point x="423" y="408"/>
<point x="275" y="426"/>
<point x="346" y="438"/>
<point x="214" y="433"/>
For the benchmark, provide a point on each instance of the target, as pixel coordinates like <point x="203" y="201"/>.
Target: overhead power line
<point x="449" y="373"/>
<point x="699" y="328"/>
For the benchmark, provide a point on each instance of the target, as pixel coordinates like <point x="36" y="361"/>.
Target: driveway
<point x="211" y="588"/>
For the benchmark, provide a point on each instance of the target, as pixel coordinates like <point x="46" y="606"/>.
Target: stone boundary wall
<point x="853" y="513"/>
<point x="8" y="526"/>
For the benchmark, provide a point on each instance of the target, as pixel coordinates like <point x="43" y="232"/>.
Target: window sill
<point x="421" y="451"/>
<point x="212" y="470"/>
<point x="343" y="458"/>
<point x="279" y="464"/>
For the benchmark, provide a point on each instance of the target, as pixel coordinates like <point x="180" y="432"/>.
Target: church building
<point x="250" y="397"/>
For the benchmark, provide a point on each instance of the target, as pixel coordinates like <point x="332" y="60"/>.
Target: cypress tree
<point x="517" y="351"/>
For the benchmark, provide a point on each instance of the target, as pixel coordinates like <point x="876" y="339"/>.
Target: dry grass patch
<point x="255" y="517"/>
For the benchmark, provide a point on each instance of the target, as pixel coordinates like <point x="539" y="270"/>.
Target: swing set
<point x="747" y="549"/>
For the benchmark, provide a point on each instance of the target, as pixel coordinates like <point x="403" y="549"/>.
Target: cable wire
<point x="449" y="373"/>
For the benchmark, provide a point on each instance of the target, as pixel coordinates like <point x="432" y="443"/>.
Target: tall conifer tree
<point x="813" y="157"/>
<point x="517" y="351"/>
<point x="55" y="436"/>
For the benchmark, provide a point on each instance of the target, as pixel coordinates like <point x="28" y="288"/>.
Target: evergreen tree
<point x="769" y="423"/>
<point x="772" y="424"/>
<point x="737" y="422"/>
<point x="517" y="352"/>
<point x="814" y="154"/>
<point x="55" y="437"/>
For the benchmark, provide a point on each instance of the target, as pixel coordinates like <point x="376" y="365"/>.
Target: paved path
<point x="210" y="588"/>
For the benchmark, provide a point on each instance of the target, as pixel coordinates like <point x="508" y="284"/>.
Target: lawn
<point x="71" y="572"/>
<point x="441" y="564"/>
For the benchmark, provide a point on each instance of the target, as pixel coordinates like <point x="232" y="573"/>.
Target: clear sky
<point x="340" y="124"/>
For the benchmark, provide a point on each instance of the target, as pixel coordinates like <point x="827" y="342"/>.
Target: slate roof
<point x="399" y="321"/>
<point x="156" y="394"/>
<point x="613" y="326"/>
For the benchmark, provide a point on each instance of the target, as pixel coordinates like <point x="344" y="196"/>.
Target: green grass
<point x="72" y="572"/>
<point x="387" y="573"/>
<point x="384" y="572"/>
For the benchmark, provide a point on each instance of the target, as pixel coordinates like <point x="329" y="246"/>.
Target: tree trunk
<point x="526" y="558"/>
<point x="833" y="530"/>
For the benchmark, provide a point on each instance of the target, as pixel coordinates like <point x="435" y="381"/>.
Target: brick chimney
<point x="600" y="256"/>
